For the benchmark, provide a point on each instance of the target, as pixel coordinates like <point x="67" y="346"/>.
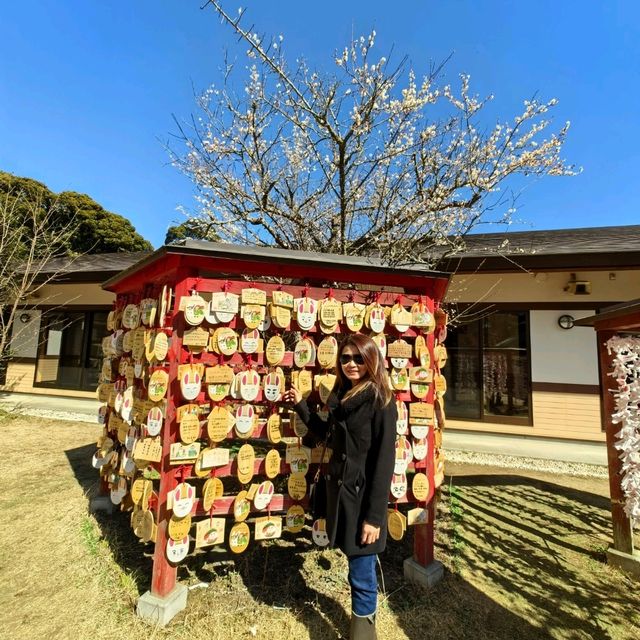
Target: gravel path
<point x="529" y="464"/>
<point x="71" y="416"/>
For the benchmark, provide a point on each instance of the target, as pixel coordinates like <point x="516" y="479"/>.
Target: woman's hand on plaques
<point x="292" y="395"/>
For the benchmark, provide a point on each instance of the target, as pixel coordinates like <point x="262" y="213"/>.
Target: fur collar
<point x="354" y="402"/>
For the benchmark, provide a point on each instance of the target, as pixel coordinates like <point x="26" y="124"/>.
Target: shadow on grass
<point x="454" y="609"/>
<point x="522" y="548"/>
<point x="80" y="463"/>
<point x="276" y="574"/>
<point x="133" y="556"/>
<point x="273" y="574"/>
<point x="535" y="549"/>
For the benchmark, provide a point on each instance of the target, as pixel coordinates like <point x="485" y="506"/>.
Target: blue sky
<point x="88" y="89"/>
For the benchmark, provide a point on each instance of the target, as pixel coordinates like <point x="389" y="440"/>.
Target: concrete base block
<point x="160" y="611"/>
<point x="101" y="503"/>
<point x="426" y="576"/>
<point x="627" y="562"/>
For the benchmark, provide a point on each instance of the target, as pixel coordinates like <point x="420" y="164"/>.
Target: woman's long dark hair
<point x="376" y="377"/>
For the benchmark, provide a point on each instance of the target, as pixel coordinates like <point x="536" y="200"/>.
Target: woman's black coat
<point x="362" y="438"/>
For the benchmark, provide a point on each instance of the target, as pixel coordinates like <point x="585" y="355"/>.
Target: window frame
<point x="88" y="321"/>
<point x="488" y="418"/>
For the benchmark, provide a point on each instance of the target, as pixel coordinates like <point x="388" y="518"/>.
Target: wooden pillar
<point x="423" y="538"/>
<point x="164" y="575"/>
<point x="622" y="530"/>
<point x="424" y="534"/>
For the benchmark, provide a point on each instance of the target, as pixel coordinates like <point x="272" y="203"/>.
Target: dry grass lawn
<point x="524" y="557"/>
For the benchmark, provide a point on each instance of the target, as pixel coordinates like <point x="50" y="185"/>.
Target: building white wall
<point x="565" y="356"/>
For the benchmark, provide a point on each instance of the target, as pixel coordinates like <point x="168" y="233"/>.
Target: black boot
<point x="363" y="627"/>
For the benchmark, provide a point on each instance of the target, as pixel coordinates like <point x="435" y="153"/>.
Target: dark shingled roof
<point x="91" y="268"/>
<point x="593" y="247"/>
<point x="305" y="260"/>
<point x="557" y="241"/>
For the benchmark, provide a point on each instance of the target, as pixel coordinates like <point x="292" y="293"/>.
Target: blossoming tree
<point x="363" y="159"/>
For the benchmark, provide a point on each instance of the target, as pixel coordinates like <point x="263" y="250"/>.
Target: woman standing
<point x="361" y="431"/>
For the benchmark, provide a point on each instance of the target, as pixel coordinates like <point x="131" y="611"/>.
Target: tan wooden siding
<point x="573" y="416"/>
<point x="19" y="377"/>
<point x="20" y="380"/>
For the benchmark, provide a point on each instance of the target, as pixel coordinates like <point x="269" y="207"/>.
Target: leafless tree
<point x="30" y="238"/>
<point x="366" y="159"/>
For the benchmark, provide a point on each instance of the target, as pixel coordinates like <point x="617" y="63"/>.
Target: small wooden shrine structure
<point x="146" y="455"/>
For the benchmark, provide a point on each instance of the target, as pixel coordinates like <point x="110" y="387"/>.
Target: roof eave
<point x="497" y="263"/>
<point x="257" y="254"/>
<point x="614" y="315"/>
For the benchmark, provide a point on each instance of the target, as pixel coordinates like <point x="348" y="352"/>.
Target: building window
<point x="488" y="372"/>
<point x="69" y="349"/>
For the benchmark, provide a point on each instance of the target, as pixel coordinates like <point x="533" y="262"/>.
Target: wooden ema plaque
<point x="210" y="531"/>
<point x="219" y="423"/>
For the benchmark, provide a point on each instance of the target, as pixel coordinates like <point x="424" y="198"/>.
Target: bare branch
<point x="367" y="159"/>
<point x="31" y="236"/>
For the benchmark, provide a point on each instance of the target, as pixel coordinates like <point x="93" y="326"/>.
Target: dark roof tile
<point x="94" y="263"/>
<point x="555" y="241"/>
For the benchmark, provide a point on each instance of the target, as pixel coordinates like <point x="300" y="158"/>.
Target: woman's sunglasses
<point x="348" y="357"/>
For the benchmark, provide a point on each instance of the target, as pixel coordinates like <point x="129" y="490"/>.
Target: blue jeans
<point x="364" y="584"/>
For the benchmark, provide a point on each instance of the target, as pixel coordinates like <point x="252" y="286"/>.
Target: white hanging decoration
<point x="626" y="371"/>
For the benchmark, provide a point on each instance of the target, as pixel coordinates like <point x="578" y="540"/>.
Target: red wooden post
<point x="163" y="578"/>
<point x="424" y="534"/>
<point x="622" y="530"/>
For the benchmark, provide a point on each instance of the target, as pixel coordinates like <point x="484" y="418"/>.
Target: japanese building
<point x="516" y="365"/>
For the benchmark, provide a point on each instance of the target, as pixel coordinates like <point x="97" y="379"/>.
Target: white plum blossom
<point x="364" y="159"/>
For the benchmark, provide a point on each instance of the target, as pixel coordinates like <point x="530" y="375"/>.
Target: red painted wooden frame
<point x="189" y="271"/>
